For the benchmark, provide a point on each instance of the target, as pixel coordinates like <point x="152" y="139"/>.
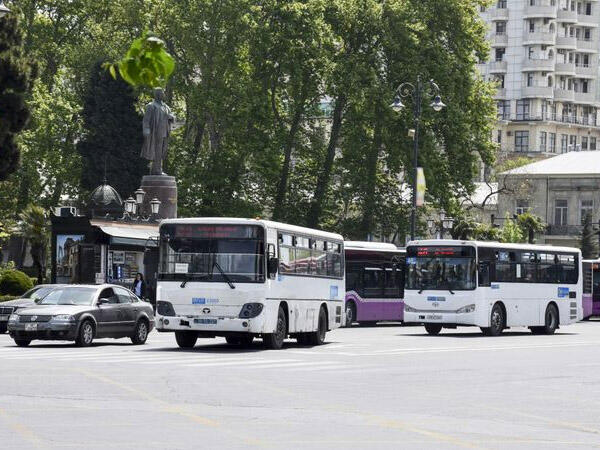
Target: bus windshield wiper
<point x="229" y="282"/>
<point x="187" y="278"/>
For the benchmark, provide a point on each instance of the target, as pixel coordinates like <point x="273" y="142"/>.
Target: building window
<point x="522" y="109"/>
<point x="500" y="27"/>
<point x="592" y="143"/>
<point x="560" y="212"/>
<point x="542" y="141"/>
<point x="588" y="9"/>
<point x="500" y="54"/>
<point x="587" y="34"/>
<point x="552" y="142"/>
<point x="586" y="207"/>
<point x="522" y="207"/>
<point x="572" y="143"/>
<point x="503" y="109"/>
<point x="522" y="141"/>
<point x="584" y="143"/>
<point x="529" y="79"/>
<point x="499" y="136"/>
<point x="531" y="26"/>
<point x="501" y="4"/>
<point x="564" y="142"/>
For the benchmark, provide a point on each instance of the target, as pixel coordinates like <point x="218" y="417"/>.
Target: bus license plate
<point x="206" y="321"/>
<point x="31" y="327"/>
<point x="433" y="317"/>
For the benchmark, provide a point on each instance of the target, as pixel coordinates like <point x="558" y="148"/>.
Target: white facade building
<point x="544" y="54"/>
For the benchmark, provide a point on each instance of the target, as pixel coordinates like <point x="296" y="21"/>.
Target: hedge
<point x="14" y="282"/>
<point x="6" y="298"/>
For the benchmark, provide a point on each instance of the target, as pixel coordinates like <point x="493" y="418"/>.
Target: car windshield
<point x="69" y="296"/>
<point x="440" y="268"/>
<point x="38" y="293"/>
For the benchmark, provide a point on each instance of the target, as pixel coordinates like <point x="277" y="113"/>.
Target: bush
<point x="14" y="282"/>
<point x="6" y="298"/>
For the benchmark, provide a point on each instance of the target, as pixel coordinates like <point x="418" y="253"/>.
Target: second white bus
<point x="492" y="286"/>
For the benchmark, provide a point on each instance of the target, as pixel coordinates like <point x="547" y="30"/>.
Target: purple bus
<point x="591" y="288"/>
<point x="374" y="282"/>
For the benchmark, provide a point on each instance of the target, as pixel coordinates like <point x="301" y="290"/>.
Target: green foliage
<point x="588" y="239"/>
<point x="14" y="282"/>
<point x="35" y="229"/>
<point x="17" y="73"/>
<point x="7" y="298"/>
<point x="511" y="231"/>
<point x="487" y="232"/>
<point x="530" y="224"/>
<point x="146" y="63"/>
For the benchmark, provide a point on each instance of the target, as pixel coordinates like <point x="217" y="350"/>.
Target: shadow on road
<point x="468" y="335"/>
<point x="224" y="348"/>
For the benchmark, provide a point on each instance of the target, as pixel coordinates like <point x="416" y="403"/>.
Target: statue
<point x="157" y="128"/>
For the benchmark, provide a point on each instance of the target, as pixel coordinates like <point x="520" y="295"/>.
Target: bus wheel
<point x="318" y="337"/>
<point x="551" y="322"/>
<point x="433" y="328"/>
<point x="350" y="313"/>
<point x="497" y="321"/>
<point x="186" y="339"/>
<point x="240" y="340"/>
<point x="274" y="341"/>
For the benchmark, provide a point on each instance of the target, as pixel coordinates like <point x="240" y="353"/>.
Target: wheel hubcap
<point x="87" y="333"/>
<point x="349" y="316"/>
<point x="142" y="332"/>
<point x="496" y="319"/>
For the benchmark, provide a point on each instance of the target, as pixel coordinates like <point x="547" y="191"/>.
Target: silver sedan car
<point x="82" y="313"/>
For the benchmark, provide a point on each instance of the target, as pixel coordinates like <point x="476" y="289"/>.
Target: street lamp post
<point x="416" y="92"/>
<point x="3" y="9"/>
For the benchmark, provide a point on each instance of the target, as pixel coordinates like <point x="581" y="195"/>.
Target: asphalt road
<point x="383" y="387"/>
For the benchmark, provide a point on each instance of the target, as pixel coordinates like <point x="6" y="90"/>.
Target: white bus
<point x="246" y="278"/>
<point x="491" y="285"/>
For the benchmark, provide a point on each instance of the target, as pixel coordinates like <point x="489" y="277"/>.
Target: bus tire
<point x="497" y="321"/>
<point x="350" y="313"/>
<point x="186" y="339"/>
<point x="274" y="341"/>
<point x="433" y="329"/>
<point x="240" y="340"/>
<point x="551" y="320"/>
<point x="318" y="337"/>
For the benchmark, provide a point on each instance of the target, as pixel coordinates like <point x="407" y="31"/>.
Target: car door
<point x="126" y="312"/>
<point x="109" y="317"/>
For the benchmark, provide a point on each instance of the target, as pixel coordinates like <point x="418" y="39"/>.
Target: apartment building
<point x="544" y="56"/>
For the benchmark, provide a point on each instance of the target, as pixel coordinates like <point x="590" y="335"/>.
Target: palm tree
<point x="34" y="228"/>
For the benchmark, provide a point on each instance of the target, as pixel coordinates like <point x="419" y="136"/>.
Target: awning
<point x="142" y="236"/>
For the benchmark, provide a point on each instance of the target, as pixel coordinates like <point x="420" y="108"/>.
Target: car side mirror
<point x="102" y="301"/>
<point x="272" y="266"/>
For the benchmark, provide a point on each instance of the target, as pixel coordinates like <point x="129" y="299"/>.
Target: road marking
<point x="472" y="349"/>
<point x="22" y="430"/>
<point x="240" y="363"/>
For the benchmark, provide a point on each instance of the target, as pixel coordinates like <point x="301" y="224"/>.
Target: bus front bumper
<point x="441" y="317"/>
<point x="210" y="325"/>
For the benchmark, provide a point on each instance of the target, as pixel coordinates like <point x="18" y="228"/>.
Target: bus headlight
<point x="250" y="310"/>
<point x="466" y="309"/>
<point x="409" y="308"/>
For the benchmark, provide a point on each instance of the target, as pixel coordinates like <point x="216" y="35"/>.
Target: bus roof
<point x="266" y="223"/>
<point x="369" y="245"/>
<point x="493" y="244"/>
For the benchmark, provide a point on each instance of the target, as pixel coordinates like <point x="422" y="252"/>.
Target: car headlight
<point x="466" y="309"/>
<point x="63" y="318"/>
<point x="409" y="308"/>
<point x="250" y="310"/>
<point x="13" y="318"/>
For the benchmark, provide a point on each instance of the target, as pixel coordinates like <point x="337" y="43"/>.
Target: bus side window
<point x="484" y="274"/>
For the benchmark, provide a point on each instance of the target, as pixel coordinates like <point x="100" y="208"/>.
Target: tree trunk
<point x="371" y="174"/>
<point x="316" y="208"/>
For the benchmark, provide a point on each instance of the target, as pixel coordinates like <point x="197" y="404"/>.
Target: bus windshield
<point x="207" y="252"/>
<point x="440" y="268"/>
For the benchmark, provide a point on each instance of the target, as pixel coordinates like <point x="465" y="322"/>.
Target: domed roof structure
<point x="105" y="200"/>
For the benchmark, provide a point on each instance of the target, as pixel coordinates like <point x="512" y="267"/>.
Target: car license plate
<point x="3" y="317"/>
<point x="31" y="327"/>
<point x="206" y="321"/>
<point x="433" y="317"/>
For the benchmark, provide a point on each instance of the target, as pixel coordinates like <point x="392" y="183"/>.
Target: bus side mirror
<point x="272" y="266"/>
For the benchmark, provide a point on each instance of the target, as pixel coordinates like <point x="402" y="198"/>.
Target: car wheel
<point x="274" y="341"/>
<point x="318" y="337"/>
<point x="140" y="334"/>
<point x="433" y="329"/>
<point x="551" y="320"/>
<point x="240" y="340"/>
<point x="22" y="342"/>
<point x="186" y="339"/>
<point x="350" y="314"/>
<point x="497" y="321"/>
<point x="85" y="336"/>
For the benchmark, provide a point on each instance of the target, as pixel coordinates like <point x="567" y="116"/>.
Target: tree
<point x="34" y="229"/>
<point x="510" y="231"/>
<point x="588" y="240"/>
<point x="17" y="74"/>
<point x="530" y="224"/>
<point x="112" y="134"/>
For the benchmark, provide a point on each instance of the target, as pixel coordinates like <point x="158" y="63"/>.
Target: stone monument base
<point x="164" y="188"/>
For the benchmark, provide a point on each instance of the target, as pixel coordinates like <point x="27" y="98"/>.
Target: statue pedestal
<point x="164" y="188"/>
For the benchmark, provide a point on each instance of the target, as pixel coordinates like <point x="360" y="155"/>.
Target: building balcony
<point x="499" y="40"/>
<point x="564" y="68"/>
<point x="589" y="46"/>
<point x="584" y="121"/>
<point x="541" y="38"/>
<point x="588" y="21"/>
<point x="567" y="16"/>
<point x="497" y="67"/>
<point x="538" y="65"/>
<point x="587" y="97"/>
<point x="542" y="11"/>
<point x="566" y="42"/>
<point x="537" y="92"/>
<point x="586" y="71"/>
<point x="498" y="14"/>
<point x="564" y="95"/>
<point x="563" y="230"/>
<point x="500" y="94"/>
